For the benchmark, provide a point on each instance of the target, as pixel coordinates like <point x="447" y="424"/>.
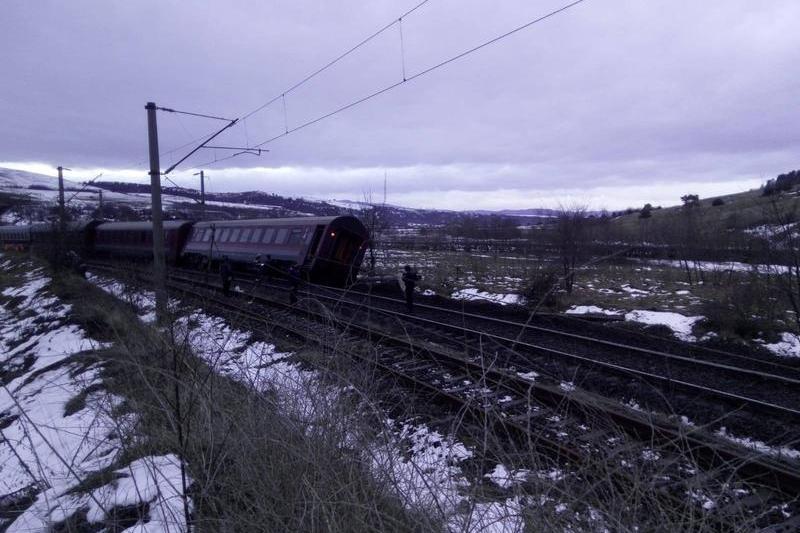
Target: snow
<point x="475" y="294"/>
<point x="49" y="452"/>
<point x="501" y="476"/>
<point x="154" y="479"/>
<point x="767" y="231"/>
<point x="635" y="293"/>
<point x="680" y="325"/>
<point x="713" y="266"/>
<point x="788" y="346"/>
<point x="760" y="446"/>
<point x="589" y="309"/>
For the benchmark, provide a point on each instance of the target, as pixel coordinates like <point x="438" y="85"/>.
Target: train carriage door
<point x="312" y="248"/>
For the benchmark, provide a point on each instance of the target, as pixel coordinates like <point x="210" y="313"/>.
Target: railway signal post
<point x="159" y="263"/>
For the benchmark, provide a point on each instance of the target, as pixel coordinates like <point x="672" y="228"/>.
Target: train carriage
<point x="329" y="249"/>
<point x="135" y="239"/>
<point x="78" y="236"/>
<point x="15" y="238"/>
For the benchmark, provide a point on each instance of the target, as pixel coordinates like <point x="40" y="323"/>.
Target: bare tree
<point x="570" y="235"/>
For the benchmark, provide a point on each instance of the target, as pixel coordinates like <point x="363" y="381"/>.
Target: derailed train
<point x="328" y="250"/>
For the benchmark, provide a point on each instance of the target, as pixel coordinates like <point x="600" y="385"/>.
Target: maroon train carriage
<point x="329" y="249"/>
<point x="15" y="238"/>
<point x="135" y="239"/>
<point x="78" y="235"/>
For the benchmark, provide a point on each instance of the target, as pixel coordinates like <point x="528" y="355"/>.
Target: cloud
<point x="597" y="100"/>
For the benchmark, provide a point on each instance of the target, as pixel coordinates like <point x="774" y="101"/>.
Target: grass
<point x="252" y="468"/>
<point x="740" y="210"/>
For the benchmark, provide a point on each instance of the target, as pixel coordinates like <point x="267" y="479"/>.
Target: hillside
<point x="749" y="212"/>
<point x="27" y="196"/>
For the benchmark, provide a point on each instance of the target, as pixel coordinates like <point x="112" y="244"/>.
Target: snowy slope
<point x="57" y="425"/>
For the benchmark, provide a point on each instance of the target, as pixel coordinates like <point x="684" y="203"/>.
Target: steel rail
<point x="619" y="368"/>
<point x="593" y="340"/>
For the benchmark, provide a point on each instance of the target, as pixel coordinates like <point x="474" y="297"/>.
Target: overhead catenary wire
<point x="392" y="86"/>
<point x="306" y="79"/>
<point x="424" y="72"/>
<point x="333" y="61"/>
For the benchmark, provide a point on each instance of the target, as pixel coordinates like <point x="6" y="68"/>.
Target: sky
<point x="608" y="104"/>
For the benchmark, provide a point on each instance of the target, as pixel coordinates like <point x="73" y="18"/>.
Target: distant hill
<point x="739" y="212"/>
<point x="131" y="201"/>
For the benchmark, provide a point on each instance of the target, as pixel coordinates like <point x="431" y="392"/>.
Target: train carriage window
<point x="224" y="235"/>
<point x="207" y="234"/>
<point x="268" y="234"/>
<point x="246" y="233"/>
<point x="296" y="236"/>
<point x="281" y="237"/>
<point x="256" y="236"/>
<point x="235" y="234"/>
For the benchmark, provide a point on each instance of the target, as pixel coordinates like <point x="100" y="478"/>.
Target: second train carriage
<point x="135" y="239"/>
<point x="329" y="249"/>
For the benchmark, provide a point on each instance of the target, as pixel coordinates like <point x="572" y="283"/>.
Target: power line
<point x="283" y="94"/>
<point x="392" y="86"/>
<point x="421" y="73"/>
<point x="334" y="61"/>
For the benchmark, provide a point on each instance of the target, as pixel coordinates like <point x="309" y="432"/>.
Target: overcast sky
<point x="611" y="103"/>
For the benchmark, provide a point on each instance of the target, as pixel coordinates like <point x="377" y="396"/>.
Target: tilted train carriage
<point x="329" y="249"/>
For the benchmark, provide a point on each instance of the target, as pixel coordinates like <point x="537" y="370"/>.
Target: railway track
<point x="731" y="388"/>
<point x="507" y="397"/>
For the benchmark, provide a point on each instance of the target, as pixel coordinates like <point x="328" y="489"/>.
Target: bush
<point x="541" y="289"/>
<point x="717" y="202"/>
<point x="742" y="309"/>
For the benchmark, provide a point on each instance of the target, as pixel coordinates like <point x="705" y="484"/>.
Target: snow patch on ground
<point x="680" y="325"/>
<point x="46" y="452"/>
<point x="504" y="478"/>
<point x="788" y="346"/>
<point x="475" y="294"/>
<point x="590" y="310"/>
<point x="760" y="446"/>
<point x="714" y="266"/>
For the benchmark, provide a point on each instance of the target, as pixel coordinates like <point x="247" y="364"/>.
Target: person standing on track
<point x="410" y="279"/>
<point x="225" y="273"/>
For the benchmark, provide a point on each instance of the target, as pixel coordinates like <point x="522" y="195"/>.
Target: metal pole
<point x="202" y="194"/>
<point x="61" y="210"/>
<point x="159" y="264"/>
<point x="100" y="206"/>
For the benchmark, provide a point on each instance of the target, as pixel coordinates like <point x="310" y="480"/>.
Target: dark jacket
<point x="225" y="271"/>
<point x="410" y="280"/>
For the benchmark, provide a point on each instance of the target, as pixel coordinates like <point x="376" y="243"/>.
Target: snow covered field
<point x="58" y="427"/>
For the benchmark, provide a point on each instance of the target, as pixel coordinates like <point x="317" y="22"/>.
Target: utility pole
<point x="62" y="222"/>
<point x="202" y="194"/>
<point x="159" y="266"/>
<point x="62" y="219"/>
